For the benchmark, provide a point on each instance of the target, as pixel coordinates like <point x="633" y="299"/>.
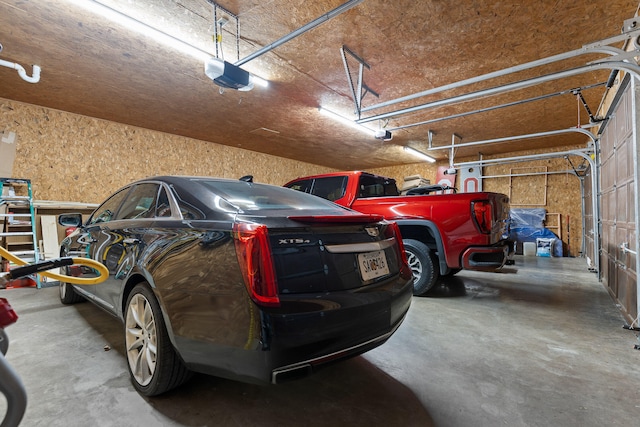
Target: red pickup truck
<point x="442" y="233"/>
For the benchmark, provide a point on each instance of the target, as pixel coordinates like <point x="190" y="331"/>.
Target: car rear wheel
<point x="153" y="363"/>
<point x="423" y="266"/>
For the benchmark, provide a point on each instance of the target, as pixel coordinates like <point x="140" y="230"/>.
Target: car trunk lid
<point x="329" y="255"/>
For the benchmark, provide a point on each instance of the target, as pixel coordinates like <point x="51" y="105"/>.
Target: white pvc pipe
<point x="35" y="78"/>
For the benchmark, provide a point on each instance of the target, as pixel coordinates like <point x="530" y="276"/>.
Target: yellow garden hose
<point x="104" y="273"/>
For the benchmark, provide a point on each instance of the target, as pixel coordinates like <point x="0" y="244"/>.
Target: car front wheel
<point x="153" y="363"/>
<point x="423" y="266"/>
<point x="68" y="295"/>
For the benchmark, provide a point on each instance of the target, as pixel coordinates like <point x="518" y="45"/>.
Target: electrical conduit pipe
<point x="35" y="78"/>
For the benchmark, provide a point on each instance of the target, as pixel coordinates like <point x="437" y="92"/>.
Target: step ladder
<point x="17" y="221"/>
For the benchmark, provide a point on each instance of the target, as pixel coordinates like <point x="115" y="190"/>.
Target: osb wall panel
<point x="75" y="158"/>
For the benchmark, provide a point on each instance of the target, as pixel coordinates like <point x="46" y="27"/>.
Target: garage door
<point x="617" y="207"/>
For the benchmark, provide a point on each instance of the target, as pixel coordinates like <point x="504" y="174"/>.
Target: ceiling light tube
<point x="259" y="81"/>
<point x="141" y="28"/>
<point x="345" y="121"/>
<point x="419" y="154"/>
<point x="153" y="33"/>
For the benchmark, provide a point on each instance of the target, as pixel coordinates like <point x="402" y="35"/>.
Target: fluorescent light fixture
<point x="141" y="28"/>
<point x="345" y="121"/>
<point x="259" y="81"/>
<point x="153" y="33"/>
<point x="419" y="154"/>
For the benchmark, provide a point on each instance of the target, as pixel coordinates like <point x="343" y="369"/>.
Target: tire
<point x="153" y="363"/>
<point x="68" y="295"/>
<point x="423" y="266"/>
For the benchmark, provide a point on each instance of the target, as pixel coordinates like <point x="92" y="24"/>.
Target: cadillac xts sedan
<point x="237" y="279"/>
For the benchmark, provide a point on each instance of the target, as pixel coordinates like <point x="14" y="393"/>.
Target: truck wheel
<point x="423" y="266"/>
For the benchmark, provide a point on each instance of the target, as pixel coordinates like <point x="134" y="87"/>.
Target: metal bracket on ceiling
<point x="578" y="93"/>
<point x="630" y="24"/>
<point x="218" y="23"/>
<point x="361" y="89"/>
<point x="579" y="171"/>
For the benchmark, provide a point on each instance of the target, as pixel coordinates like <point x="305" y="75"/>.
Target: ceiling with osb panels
<point x="99" y="68"/>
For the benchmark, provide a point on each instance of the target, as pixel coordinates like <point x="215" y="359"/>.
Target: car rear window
<point x="258" y="197"/>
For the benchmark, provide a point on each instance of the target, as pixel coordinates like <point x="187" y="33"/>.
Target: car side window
<point x="108" y="209"/>
<point x="163" y="207"/>
<point x="140" y="202"/>
<point x="187" y="211"/>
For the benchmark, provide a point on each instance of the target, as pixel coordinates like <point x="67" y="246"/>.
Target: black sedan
<point x="236" y="279"/>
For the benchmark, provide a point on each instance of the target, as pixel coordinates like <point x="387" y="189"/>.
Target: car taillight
<point x="393" y="230"/>
<point x="482" y="215"/>
<point x="254" y="256"/>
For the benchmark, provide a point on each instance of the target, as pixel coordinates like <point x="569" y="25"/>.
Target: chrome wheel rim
<point x="414" y="264"/>
<point x="141" y="339"/>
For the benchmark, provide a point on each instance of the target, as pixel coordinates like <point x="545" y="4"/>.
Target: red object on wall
<point x="443" y="178"/>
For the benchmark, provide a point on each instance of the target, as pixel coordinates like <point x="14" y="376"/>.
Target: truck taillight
<point x="482" y="215"/>
<point x="256" y="263"/>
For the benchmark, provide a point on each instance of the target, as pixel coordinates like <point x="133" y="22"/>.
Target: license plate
<point x="373" y="264"/>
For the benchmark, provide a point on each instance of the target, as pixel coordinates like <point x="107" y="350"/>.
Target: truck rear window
<point x="330" y="188"/>
<point x="376" y="186"/>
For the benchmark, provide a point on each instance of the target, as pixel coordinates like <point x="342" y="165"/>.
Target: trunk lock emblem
<point x="372" y="231"/>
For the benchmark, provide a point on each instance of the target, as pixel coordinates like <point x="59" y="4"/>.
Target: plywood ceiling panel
<point x="98" y="68"/>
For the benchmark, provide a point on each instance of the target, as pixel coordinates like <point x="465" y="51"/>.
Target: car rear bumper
<point x="358" y="322"/>
<point x="487" y="257"/>
<point x="306" y="367"/>
<point x="305" y="334"/>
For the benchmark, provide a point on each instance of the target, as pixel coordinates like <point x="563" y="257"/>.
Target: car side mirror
<point x="70" y="220"/>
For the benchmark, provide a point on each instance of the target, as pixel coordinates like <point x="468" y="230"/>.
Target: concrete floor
<point x="540" y="344"/>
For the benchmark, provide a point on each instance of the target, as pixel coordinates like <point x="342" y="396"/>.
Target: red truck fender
<point x="415" y="229"/>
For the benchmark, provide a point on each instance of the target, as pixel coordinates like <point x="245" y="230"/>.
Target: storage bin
<point x="529" y="249"/>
